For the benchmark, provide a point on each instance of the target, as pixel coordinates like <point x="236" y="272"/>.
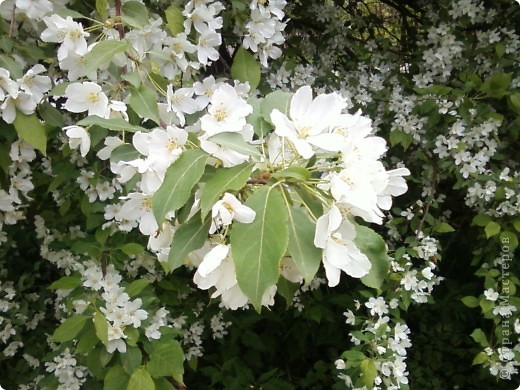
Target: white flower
<point x="78" y="136"/>
<point x="206" y="45"/>
<point x="67" y="32"/>
<point x="377" y="306"/>
<point x="335" y="235"/>
<point x="17" y="101"/>
<point x="34" y="84"/>
<point x="227" y="112"/>
<point x="491" y="295"/>
<point x="228" y="209"/>
<point x="310" y="122"/>
<point x="87" y="96"/>
<point x="34" y="9"/>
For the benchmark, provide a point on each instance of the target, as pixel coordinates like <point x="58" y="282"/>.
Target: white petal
<point x="212" y="260"/>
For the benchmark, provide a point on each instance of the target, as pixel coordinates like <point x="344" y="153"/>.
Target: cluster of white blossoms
<point x="119" y="310"/>
<point x="264" y="31"/>
<point x="20" y="177"/>
<point x="389" y="343"/>
<point x="22" y="94"/>
<point x="70" y="375"/>
<point x="478" y="141"/>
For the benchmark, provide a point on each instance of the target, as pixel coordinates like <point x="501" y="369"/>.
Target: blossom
<point x="228" y="209"/>
<point x="310" y="122"/>
<point x="78" y="136"/>
<point x="65" y="31"/>
<point x="87" y="96"/>
<point x="335" y="235"/>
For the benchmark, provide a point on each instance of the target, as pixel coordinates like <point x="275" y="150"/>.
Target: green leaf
<point x="116" y="378"/>
<point x="492" y="229"/>
<point x="369" y="370"/>
<point x="69" y="329"/>
<point x="479" y="337"/>
<point x="167" y="359"/>
<point x="373" y="245"/>
<point x="481" y="220"/>
<point x="223" y="179"/>
<point x="66" y="283"/>
<point x="236" y="142"/>
<point x="179" y="180"/>
<point x="50" y="115"/>
<point x="31" y="130"/>
<point x="301" y="243"/>
<point x="353" y="356"/>
<point x="509" y="241"/>
<point x="101" y="7"/>
<point x="136" y="287"/>
<point x="131" y="359"/>
<point x="470" y="301"/>
<point x="293" y="173"/>
<point x="246" y="68"/>
<point x="444" y="227"/>
<point x="116" y="124"/>
<point x="141" y="380"/>
<point x="102" y="54"/>
<point x="101" y="325"/>
<point x="143" y="101"/>
<point x="516" y="224"/>
<point x="514" y="100"/>
<point x="257" y="247"/>
<point x="87" y="340"/>
<point x="135" y="14"/>
<point x="124" y="152"/>
<point x="278" y="100"/>
<point x="132" y="248"/>
<point x="287" y="289"/>
<point x="174" y="19"/>
<point x="480" y="358"/>
<point x="255" y="119"/>
<point x="188" y="237"/>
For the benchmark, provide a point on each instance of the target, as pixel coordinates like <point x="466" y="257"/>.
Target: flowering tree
<point x="191" y="189"/>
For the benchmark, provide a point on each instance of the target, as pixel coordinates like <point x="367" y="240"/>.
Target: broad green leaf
<point x="180" y="179"/>
<point x="14" y="68"/>
<point x="102" y="54"/>
<point x="174" y="19"/>
<point x="257" y="247"/>
<point x="470" y="301"/>
<point x="293" y="173"/>
<point x="443" y="227"/>
<point x="223" y="179"/>
<point x="188" y="237"/>
<point x="369" y="370"/>
<point x="134" y="78"/>
<point x="87" y="340"/>
<point x="101" y="7"/>
<point x="116" y="378"/>
<point x="134" y="14"/>
<point x="301" y="238"/>
<point x="287" y="289"/>
<point x="353" y="356"/>
<point x="116" y="124"/>
<point x="163" y="384"/>
<point x="514" y="100"/>
<point x="492" y="229"/>
<point x="132" y="335"/>
<point x="92" y="248"/>
<point x="374" y="247"/>
<point x="480" y="358"/>
<point x="124" y="152"/>
<point x="479" y="336"/>
<point x="70" y="328"/>
<point x="141" y="380"/>
<point x="50" y="115"/>
<point x="236" y="142"/>
<point x="278" y="100"/>
<point x="166" y="359"/>
<point x="246" y="68"/>
<point x="143" y="101"/>
<point x="136" y="287"/>
<point x="481" y="220"/>
<point x="508" y="241"/>
<point x="255" y="119"/>
<point x="101" y="325"/>
<point x="31" y="130"/>
<point x="132" y="248"/>
<point x="131" y="359"/>
<point x="66" y="283"/>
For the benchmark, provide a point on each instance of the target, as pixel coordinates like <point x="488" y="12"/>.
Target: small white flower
<point x="228" y="209"/>
<point x="78" y="137"/>
<point x="87" y="96"/>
